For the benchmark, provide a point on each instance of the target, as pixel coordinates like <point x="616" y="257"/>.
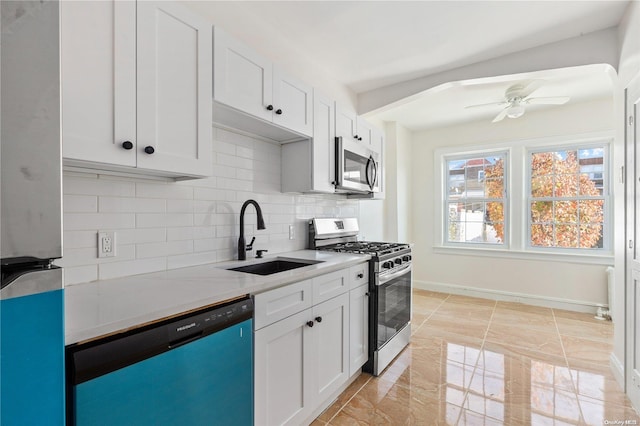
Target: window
<point x="475" y="199"/>
<point x="567" y="198"/>
<point x="526" y="199"/>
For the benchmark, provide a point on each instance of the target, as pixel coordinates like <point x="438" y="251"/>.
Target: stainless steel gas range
<point x="389" y="286"/>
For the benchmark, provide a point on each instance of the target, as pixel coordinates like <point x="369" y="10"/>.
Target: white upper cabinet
<point x="242" y="79"/>
<point x="246" y="81"/>
<point x="346" y="122"/>
<point x="136" y="88"/>
<point x="292" y="103"/>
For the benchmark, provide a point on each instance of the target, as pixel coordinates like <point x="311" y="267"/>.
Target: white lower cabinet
<point x="304" y="359"/>
<point x="358" y="327"/>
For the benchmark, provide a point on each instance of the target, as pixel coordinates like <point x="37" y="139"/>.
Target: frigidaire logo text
<point x="186" y="327"/>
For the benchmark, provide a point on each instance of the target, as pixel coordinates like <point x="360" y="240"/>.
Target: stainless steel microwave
<point x="357" y="167"/>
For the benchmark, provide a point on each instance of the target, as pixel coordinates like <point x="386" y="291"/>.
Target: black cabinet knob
<point x="318" y="319"/>
<point x="355" y="136"/>
<point x="149" y="149"/>
<point x="270" y="107"/>
<point x="366" y="294"/>
<point x="360" y="276"/>
<point x="279" y="111"/>
<point x="310" y="323"/>
<point x="360" y="138"/>
<point x="127" y="144"/>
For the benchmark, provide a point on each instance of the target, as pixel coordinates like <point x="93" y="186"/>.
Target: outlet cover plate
<point x="106" y="244"/>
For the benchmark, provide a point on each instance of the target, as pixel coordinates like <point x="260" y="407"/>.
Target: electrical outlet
<point x="107" y="244"/>
<point x="292" y="232"/>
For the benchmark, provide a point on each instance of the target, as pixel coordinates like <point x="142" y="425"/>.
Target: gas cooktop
<point x="366" y="247"/>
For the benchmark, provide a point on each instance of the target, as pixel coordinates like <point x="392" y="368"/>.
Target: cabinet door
<point x="365" y="130"/>
<point x="330" y="346"/>
<point x="282" y="359"/>
<point x="324" y="146"/>
<point x="173" y="89"/>
<point x="98" y="73"/>
<point x="292" y="103"/>
<point x="242" y="79"/>
<point x="346" y="126"/>
<point x="358" y="327"/>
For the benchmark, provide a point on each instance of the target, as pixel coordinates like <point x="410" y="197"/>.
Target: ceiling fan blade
<point x="531" y="87"/>
<point x="485" y="105"/>
<point x="501" y="115"/>
<point x="552" y="100"/>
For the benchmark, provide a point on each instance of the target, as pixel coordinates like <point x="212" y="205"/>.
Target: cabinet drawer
<point x="359" y="275"/>
<point x="282" y="302"/>
<point x="330" y="285"/>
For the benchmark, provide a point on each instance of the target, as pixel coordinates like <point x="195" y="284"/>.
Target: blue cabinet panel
<point x="32" y="360"/>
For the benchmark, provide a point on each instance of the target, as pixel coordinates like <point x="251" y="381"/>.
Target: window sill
<point x="605" y="259"/>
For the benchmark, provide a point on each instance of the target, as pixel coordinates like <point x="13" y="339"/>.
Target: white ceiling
<point x="367" y="45"/>
<point x="371" y="44"/>
<point x="446" y="105"/>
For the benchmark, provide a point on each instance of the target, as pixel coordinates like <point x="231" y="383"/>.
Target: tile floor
<point x="480" y="362"/>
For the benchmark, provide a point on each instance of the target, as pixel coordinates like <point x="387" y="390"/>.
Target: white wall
<point x="570" y="282"/>
<point x="399" y="181"/>
<point x="164" y="225"/>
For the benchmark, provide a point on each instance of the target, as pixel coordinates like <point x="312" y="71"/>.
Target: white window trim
<point x="445" y="199"/>
<point x="515" y="245"/>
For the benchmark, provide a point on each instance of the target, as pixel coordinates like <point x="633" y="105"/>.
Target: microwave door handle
<point x="371" y="177"/>
<point x="375" y="173"/>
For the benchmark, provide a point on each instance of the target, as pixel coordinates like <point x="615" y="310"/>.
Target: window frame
<point x="606" y="197"/>
<point x="517" y="215"/>
<point x="504" y="153"/>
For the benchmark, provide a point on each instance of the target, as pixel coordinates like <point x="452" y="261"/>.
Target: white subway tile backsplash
<point x="131" y="267"/>
<point x="97" y="186"/>
<point x="184" y="260"/>
<point x="164" y="190"/>
<point x="80" y="203"/>
<point x="163" y="249"/>
<point x="164" y="225"/>
<point x="140" y="235"/>
<point x="79" y="239"/>
<point x="96" y="221"/>
<point x="80" y="274"/>
<point x="154" y="220"/>
<point x="131" y="205"/>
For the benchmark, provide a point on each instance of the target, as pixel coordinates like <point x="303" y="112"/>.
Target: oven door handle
<point x="386" y="278"/>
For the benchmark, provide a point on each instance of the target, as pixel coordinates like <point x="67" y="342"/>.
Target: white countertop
<point x="103" y="307"/>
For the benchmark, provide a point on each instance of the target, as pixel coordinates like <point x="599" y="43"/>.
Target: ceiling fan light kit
<point x="515" y="111"/>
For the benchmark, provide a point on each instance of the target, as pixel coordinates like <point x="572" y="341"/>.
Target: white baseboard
<point x="529" y="299"/>
<point x="617" y="368"/>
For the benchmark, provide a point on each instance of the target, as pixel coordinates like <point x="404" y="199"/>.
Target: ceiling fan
<point x="517" y="96"/>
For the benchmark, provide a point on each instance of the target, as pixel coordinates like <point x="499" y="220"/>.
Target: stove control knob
<point x="406" y="258"/>
<point x="387" y="265"/>
<point x="398" y="261"/>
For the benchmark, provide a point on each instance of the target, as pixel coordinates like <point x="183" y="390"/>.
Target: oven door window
<point x="394" y="307"/>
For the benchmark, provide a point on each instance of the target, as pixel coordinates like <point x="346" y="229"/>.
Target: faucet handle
<point x="259" y="253"/>
<point x="250" y="245"/>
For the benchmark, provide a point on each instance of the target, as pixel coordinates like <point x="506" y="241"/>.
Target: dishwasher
<point x="194" y="369"/>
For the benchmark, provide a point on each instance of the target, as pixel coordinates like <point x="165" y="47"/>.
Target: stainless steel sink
<point x="274" y="266"/>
